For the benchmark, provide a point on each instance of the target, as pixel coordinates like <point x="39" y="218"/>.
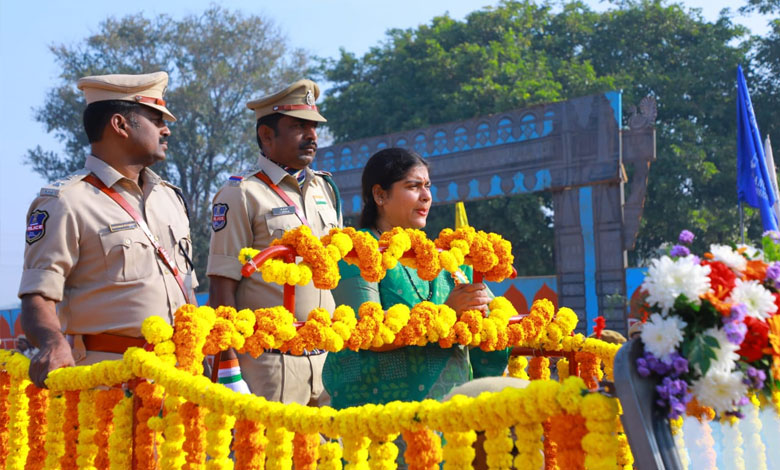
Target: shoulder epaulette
<point x="180" y="195"/>
<point x="235" y="180"/>
<point x="171" y="185"/>
<point x="55" y="188"/>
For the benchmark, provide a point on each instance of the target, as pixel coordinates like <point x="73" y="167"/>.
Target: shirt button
<point x="127" y="241"/>
<point x="376" y="390"/>
<point x="421" y="387"/>
<point x="400" y="291"/>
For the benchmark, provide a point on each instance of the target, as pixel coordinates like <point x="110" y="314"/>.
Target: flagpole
<point x="741" y="223"/>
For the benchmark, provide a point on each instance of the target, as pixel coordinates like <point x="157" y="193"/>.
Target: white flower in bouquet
<point x="667" y="278"/>
<point x="726" y="353"/>
<point x="661" y="336"/>
<point x="720" y="389"/>
<point x="751" y="252"/>
<point x="759" y="301"/>
<point x="726" y="255"/>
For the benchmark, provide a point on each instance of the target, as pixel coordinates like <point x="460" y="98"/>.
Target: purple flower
<point x="656" y="365"/>
<point x="641" y="367"/>
<point x="679" y="251"/>
<point x="679" y="364"/>
<point x="755" y="378"/>
<point x="735" y="332"/>
<point x="773" y="235"/>
<point x="686" y="237"/>
<point x="773" y="271"/>
<point x="737" y="314"/>
<point x="736" y="414"/>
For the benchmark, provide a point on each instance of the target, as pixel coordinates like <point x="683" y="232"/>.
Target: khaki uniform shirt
<point x="85" y="252"/>
<point x="244" y="216"/>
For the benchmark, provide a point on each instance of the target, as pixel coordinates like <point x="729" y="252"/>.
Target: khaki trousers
<point x="285" y="378"/>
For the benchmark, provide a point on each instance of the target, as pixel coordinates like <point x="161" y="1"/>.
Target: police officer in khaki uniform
<point x="252" y="210"/>
<point x="93" y="269"/>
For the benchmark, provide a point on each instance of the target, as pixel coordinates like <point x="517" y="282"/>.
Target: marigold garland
<point x="600" y="443"/>
<point x="356" y="452"/>
<point x="194" y="435"/>
<point x="563" y="369"/>
<point x="192" y="327"/>
<point x="71" y="427"/>
<point x="517" y="365"/>
<point x="305" y="451"/>
<point x="382" y="453"/>
<point x="459" y="452"/>
<point x="145" y="437"/>
<point x="18" y="414"/>
<point x="539" y="368"/>
<point x="218" y="437"/>
<point x="172" y="451"/>
<point x="423" y="449"/>
<point x="279" y="450"/>
<point x="330" y="456"/>
<point x="5" y="417"/>
<point x="498" y="448"/>
<point x="249" y="445"/>
<point x="86" y="448"/>
<point x="105" y="401"/>
<point x="120" y="441"/>
<point x="55" y="443"/>
<point x="567" y="431"/>
<point x="325" y="270"/>
<point x="38" y="400"/>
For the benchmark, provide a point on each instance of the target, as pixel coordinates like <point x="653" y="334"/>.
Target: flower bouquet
<point x="712" y="330"/>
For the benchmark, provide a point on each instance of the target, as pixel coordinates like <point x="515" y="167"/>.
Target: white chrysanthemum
<point x="667" y="278"/>
<point x="726" y="353"/>
<point x="726" y="255"/>
<point x="720" y="389"/>
<point x="760" y="302"/>
<point x="751" y="252"/>
<point x="661" y="336"/>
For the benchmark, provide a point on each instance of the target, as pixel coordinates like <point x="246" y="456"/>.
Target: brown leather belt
<point x="109" y="343"/>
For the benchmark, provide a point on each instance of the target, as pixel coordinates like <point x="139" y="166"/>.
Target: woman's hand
<point x="469" y="297"/>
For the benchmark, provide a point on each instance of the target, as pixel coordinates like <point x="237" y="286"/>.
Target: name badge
<point x="283" y="210"/>
<point x="122" y="226"/>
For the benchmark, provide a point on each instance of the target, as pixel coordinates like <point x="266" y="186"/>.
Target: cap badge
<point x="309" y="98"/>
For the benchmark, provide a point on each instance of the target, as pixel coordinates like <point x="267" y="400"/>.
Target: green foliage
<point x="522" y="53"/>
<point x="700" y="351"/>
<point x="217" y="61"/>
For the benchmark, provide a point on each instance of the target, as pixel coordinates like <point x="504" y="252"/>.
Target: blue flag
<point x="753" y="184"/>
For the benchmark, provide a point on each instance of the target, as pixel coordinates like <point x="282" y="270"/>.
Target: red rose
<point x="722" y="278"/>
<point x="756" y="339"/>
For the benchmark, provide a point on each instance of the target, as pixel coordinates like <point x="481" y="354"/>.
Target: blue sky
<point x="28" y="28"/>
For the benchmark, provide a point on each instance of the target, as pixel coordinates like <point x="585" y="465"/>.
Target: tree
<point x="520" y="53"/>
<point x="217" y="62"/>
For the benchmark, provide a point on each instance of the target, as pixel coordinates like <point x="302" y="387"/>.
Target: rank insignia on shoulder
<point x="36" y="227"/>
<point x="235" y="180"/>
<point x="219" y="217"/>
<point x="54" y="192"/>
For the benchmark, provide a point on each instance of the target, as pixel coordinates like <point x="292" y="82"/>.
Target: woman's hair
<point x="384" y="168"/>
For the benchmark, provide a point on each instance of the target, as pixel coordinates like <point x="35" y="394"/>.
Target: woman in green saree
<point x="396" y="193"/>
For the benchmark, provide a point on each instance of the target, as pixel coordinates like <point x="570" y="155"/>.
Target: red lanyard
<point x="166" y="259"/>
<point x="264" y="178"/>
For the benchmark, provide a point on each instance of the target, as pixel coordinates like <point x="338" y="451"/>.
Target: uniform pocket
<point x="182" y="248"/>
<point x="329" y="219"/>
<point x="128" y="255"/>
<point x="278" y="224"/>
